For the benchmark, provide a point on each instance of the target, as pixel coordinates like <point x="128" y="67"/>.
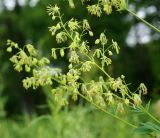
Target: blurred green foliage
<point x="79" y="123"/>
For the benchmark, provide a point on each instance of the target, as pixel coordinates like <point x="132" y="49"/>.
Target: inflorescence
<point x="103" y="91"/>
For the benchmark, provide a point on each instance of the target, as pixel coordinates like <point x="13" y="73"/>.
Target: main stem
<point x="158" y="30"/>
<point x="144" y="21"/>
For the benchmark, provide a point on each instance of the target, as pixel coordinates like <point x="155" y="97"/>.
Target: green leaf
<point x="148" y="105"/>
<point x="148" y="128"/>
<point x="136" y="110"/>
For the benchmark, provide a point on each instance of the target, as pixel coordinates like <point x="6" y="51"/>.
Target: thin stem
<point x="102" y="70"/>
<point x="103" y="50"/>
<point x="61" y="21"/>
<point x="108" y="48"/>
<point x="144" y="21"/>
<point x="103" y="110"/>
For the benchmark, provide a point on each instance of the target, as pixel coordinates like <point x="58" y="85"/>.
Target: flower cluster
<point x="23" y="60"/>
<point x="102" y="91"/>
<point x="41" y="77"/>
<point x="106" y="6"/>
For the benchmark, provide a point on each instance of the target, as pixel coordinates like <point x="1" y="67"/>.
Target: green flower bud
<point x="86" y="25"/>
<point x="9" y="49"/>
<point x="53" y="17"/>
<point x="70" y="66"/>
<point x="34" y="61"/>
<point x="58" y="26"/>
<point x="86" y="66"/>
<point x="110" y="53"/>
<point x="54" y="53"/>
<point x="126" y="101"/>
<point x="90" y="33"/>
<point x="97" y="53"/>
<point x="27" y="68"/>
<point x="16" y="45"/>
<point x="14" y="59"/>
<point x="115" y="46"/>
<point x="107" y="9"/>
<point x="137" y="100"/>
<point x="62" y="52"/>
<point x="103" y="39"/>
<point x="32" y="51"/>
<point x="142" y="89"/>
<point x="18" y="68"/>
<point x="71" y="3"/>
<point x="97" y="41"/>
<point x="122" y="76"/>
